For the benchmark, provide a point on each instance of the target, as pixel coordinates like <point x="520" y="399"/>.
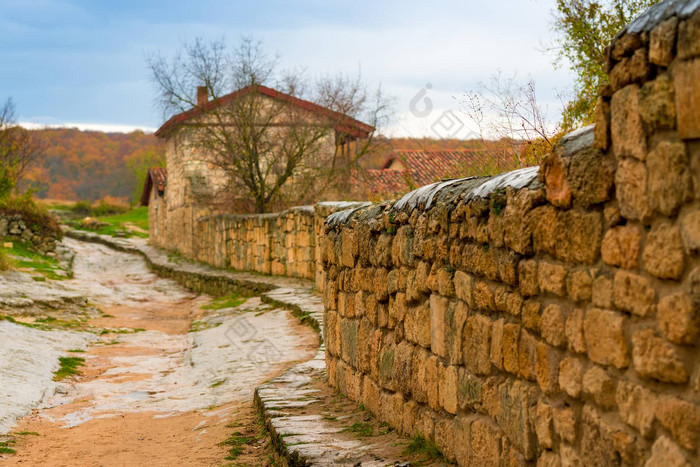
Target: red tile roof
<point x="158" y="177"/>
<point x="423" y="168"/>
<point x="431" y="166"/>
<point x="344" y="123"/>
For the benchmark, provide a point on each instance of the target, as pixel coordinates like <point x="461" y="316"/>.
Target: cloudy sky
<point x="84" y="61"/>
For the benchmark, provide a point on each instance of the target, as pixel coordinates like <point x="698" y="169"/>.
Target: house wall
<point x="550" y="317"/>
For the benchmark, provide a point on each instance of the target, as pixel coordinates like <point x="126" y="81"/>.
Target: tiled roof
<point x="425" y="167"/>
<point x="431" y="166"/>
<point x="385" y="183"/>
<point x="158" y="177"/>
<point x="344" y="123"/>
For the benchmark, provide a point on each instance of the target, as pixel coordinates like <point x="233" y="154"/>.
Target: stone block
<point x="690" y="231"/>
<point x="579" y="236"/>
<point x="602" y="294"/>
<point x="605" y="337"/>
<point x="477" y="344"/>
<point x="627" y="134"/>
<point x="438" y="311"/>
<point x="497" y="343"/>
<point x="469" y="391"/>
<point x="552" y="278"/>
<point x="574" y="331"/>
<point x="527" y="356"/>
<point x="432" y="382"/>
<point x="621" y="246"/>
<point x="558" y="189"/>
<point x="679" y="319"/>
<point x="597" y="439"/>
<point x="528" y="277"/>
<point x="463" y="287"/>
<point x="485" y="444"/>
<point x="657" y="104"/>
<point x="545" y="226"/>
<point x="449" y="384"/>
<point x="552" y="323"/>
<point x="571" y="375"/>
<point x="665" y="453"/>
<point x="687" y="89"/>
<point x="633" y="293"/>
<point x="511" y="339"/>
<point x="670" y="183"/>
<point x="547" y="361"/>
<point x="579" y="285"/>
<point x="483" y="296"/>
<point x="531" y="315"/>
<point x="391" y="408"/>
<point x="600" y="386"/>
<point x="689" y="37"/>
<point x="681" y="418"/>
<point x="655" y="358"/>
<point x="663" y="253"/>
<point x="542" y="419"/>
<point x="565" y="423"/>
<point x="637" y="406"/>
<point x="591" y="176"/>
<point x="631" y="186"/>
<point x="661" y="42"/>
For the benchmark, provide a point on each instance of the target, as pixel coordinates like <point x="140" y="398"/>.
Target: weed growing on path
<point x="69" y="367"/>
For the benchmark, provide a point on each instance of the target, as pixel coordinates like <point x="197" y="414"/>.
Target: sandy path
<point x="161" y="396"/>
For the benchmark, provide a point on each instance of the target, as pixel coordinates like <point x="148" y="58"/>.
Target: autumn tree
<point x="272" y="149"/>
<point x="584" y="29"/>
<point x="18" y="149"/>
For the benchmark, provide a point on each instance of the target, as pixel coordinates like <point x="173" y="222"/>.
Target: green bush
<point x="36" y="217"/>
<point x="4" y="261"/>
<point x="84" y="208"/>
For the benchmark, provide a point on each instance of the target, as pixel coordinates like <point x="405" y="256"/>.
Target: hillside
<point x="89" y="165"/>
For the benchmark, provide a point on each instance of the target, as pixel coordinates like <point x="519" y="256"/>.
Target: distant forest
<point x="91" y="165"/>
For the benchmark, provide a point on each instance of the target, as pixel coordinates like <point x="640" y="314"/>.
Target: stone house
<point x="192" y="186"/>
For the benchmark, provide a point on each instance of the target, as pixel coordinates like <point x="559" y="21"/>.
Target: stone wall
<point x="549" y="315"/>
<point x="14" y="227"/>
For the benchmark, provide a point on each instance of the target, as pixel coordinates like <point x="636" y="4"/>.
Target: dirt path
<point x="151" y="392"/>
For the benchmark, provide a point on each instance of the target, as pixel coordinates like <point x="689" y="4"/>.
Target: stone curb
<point x="289" y="390"/>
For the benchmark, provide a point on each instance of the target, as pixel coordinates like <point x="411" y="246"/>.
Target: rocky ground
<point x="164" y="379"/>
<point x="168" y="375"/>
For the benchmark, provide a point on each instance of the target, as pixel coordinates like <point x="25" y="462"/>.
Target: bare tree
<point x="19" y="148"/>
<point x="281" y="145"/>
<point x="507" y="111"/>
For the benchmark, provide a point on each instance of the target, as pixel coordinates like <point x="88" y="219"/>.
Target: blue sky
<point x="84" y="61"/>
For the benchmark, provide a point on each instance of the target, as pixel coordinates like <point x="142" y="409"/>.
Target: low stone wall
<point x="14" y="227"/>
<point x="549" y="315"/>
<point x="279" y="244"/>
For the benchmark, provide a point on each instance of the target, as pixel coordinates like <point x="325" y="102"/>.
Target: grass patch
<point x="76" y="351"/>
<point x="218" y="383"/>
<point x="116" y="225"/>
<point x="5" y="449"/>
<point x="361" y="429"/>
<point x="227" y="301"/>
<point x="236" y="444"/>
<point x="27" y="433"/>
<point x="21" y="257"/>
<point x="421" y="446"/>
<point x="69" y="367"/>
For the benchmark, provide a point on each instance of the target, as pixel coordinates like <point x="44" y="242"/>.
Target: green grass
<point x="236" y="444"/>
<point x="76" y="351"/>
<point x="421" y="446"/>
<point x="47" y="266"/>
<point x="27" y="433"/>
<point x="361" y="429"/>
<point x="69" y="367"/>
<point x="218" y="383"/>
<point x="138" y="217"/>
<point x="227" y="301"/>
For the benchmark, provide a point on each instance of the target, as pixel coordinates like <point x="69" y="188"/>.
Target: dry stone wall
<point x="550" y="315"/>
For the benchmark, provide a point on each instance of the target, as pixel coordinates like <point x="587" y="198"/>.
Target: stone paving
<point x="304" y="439"/>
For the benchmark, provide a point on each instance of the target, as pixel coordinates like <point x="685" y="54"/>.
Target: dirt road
<point x="167" y="381"/>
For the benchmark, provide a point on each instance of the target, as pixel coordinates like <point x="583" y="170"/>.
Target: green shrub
<point x="82" y="208"/>
<point x="4" y="261"/>
<point x="103" y="209"/>
<point x="36" y="217"/>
